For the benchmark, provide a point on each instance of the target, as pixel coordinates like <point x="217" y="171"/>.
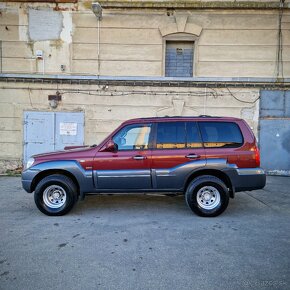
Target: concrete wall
<point x="229" y="43"/>
<point x="106" y="108"/>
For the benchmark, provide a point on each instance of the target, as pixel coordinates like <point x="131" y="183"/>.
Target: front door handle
<point x="192" y="156"/>
<point x="139" y="157"/>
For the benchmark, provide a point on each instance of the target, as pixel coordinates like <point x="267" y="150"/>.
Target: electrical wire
<point x="125" y="93"/>
<point x="104" y="93"/>
<point x="213" y="93"/>
<point x="242" y="101"/>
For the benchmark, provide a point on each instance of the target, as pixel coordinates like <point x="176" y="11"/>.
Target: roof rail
<point x="208" y="116"/>
<point x="200" y="116"/>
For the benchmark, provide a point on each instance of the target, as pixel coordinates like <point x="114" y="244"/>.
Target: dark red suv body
<point x="207" y="158"/>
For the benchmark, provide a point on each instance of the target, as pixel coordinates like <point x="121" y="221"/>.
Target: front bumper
<point x="247" y="179"/>
<point x="27" y="177"/>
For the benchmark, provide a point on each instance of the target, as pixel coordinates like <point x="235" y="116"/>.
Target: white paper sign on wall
<point x="69" y="129"/>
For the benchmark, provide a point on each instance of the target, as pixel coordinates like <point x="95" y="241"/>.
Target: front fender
<point x="83" y="177"/>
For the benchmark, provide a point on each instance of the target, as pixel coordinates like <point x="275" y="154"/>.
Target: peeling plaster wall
<point x="66" y="33"/>
<point x="28" y="27"/>
<point x="230" y="43"/>
<point x="44" y="24"/>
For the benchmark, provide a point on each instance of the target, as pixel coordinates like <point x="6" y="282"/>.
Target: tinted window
<point x="221" y="134"/>
<point x="193" y="136"/>
<point x="170" y="135"/>
<point x="133" y="137"/>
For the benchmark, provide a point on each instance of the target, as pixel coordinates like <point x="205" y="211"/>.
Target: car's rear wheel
<point x="55" y="195"/>
<point x="207" y="196"/>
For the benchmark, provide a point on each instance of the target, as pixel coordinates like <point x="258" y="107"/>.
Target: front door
<point x="128" y="167"/>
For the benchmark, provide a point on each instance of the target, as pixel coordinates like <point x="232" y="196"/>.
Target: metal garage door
<point x="49" y="131"/>
<point x="275" y="131"/>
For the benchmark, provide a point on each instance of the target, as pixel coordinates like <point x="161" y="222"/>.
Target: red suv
<point x="206" y="158"/>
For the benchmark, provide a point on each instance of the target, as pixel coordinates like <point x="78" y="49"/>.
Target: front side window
<point x="170" y="135"/>
<point x="221" y="134"/>
<point x="133" y="137"/>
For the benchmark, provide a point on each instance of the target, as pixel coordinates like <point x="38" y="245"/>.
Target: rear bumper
<point x="247" y="179"/>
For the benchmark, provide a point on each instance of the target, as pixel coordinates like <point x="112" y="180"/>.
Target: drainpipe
<point x="99" y="37"/>
<point x="97" y="9"/>
<point x="204" y="101"/>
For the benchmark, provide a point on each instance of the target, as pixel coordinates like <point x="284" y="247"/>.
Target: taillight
<point x="256" y="151"/>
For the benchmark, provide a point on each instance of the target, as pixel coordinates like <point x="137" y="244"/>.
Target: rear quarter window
<point x="221" y="134"/>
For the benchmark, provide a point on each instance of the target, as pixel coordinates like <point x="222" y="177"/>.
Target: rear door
<point x="222" y="140"/>
<point x="177" y="151"/>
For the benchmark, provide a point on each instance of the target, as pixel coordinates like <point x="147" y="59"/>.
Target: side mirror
<point x="110" y="146"/>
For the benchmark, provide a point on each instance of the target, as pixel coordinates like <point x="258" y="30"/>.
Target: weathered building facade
<point x="68" y="76"/>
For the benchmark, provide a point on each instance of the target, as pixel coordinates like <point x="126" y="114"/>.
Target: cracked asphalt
<point x="146" y="242"/>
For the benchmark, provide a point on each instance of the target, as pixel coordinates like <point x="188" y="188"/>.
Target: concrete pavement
<point x="146" y="242"/>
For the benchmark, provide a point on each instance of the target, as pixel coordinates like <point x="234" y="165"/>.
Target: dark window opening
<point x="179" y="59"/>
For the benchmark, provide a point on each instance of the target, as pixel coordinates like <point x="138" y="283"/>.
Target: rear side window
<point x="170" y="135"/>
<point x="221" y="134"/>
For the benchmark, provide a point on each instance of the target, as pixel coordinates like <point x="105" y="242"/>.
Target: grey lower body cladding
<point x="150" y="180"/>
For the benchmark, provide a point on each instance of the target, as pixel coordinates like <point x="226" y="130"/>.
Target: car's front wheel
<point x="207" y="196"/>
<point x="55" y="195"/>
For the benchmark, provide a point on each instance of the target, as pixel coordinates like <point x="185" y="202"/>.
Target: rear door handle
<point x="192" y="156"/>
<point x="139" y="157"/>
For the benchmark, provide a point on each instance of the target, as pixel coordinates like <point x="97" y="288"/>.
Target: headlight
<point x="29" y="162"/>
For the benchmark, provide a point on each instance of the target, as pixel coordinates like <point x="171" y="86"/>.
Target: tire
<point x="55" y="195"/>
<point x="207" y="196"/>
